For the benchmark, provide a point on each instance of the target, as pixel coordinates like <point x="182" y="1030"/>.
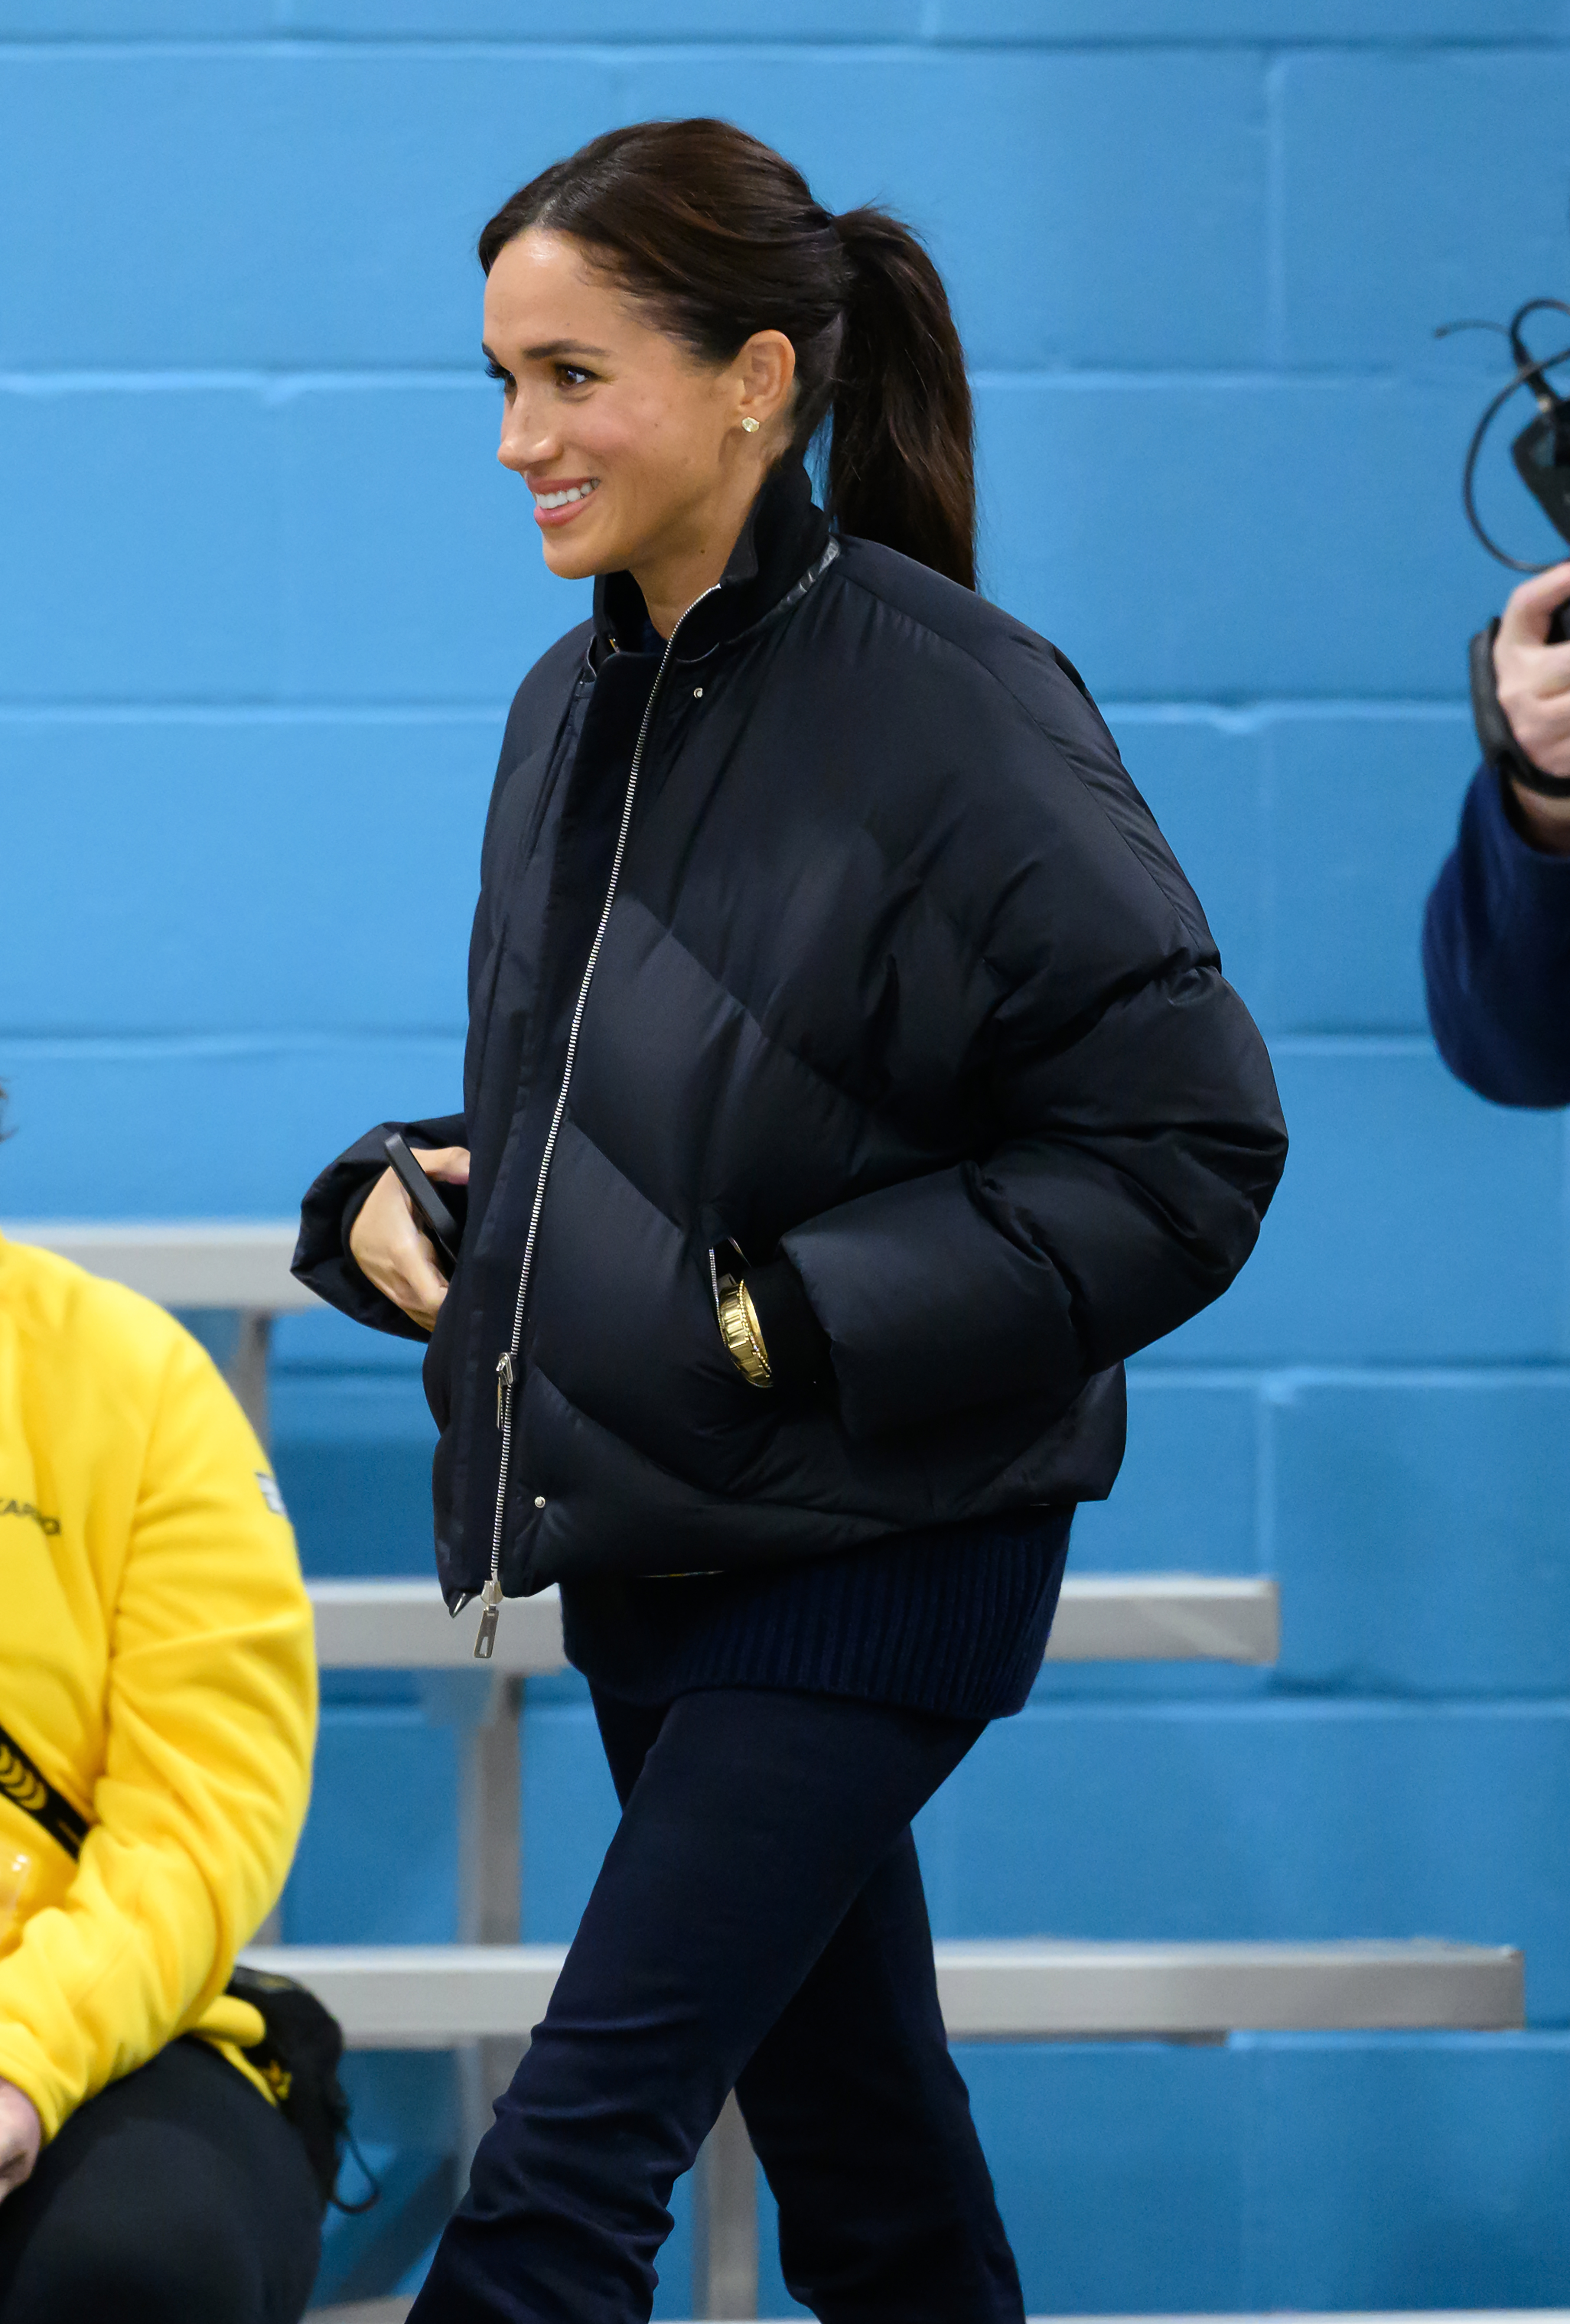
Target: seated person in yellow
<point x="157" y="1698"/>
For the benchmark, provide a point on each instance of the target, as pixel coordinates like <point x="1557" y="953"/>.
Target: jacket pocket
<point x="621" y="1322"/>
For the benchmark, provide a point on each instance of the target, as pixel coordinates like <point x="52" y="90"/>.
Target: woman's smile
<point x="560" y="500"/>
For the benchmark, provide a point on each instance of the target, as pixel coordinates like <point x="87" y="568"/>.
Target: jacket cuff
<point x="1531" y="868"/>
<point x="332" y="1202"/>
<point x="355" y="1203"/>
<point x="795" y="1341"/>
<point x="930" y="1307"/>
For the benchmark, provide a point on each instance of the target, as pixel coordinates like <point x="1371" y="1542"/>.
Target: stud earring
<point x="751" y="425"/>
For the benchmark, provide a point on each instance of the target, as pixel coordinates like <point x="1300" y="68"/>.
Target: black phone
<point x="445" y="1231"/>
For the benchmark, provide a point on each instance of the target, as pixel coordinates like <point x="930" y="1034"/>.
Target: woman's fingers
<point x="450" y="1164"/>
<point x="389" y="1248"/>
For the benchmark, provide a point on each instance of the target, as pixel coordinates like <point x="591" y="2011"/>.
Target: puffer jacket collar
<point x="785" y="537"/>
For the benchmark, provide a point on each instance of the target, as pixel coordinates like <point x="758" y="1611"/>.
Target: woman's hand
<point x="1533" y="678"/>
<point x="20" y="2137"/>
<point x="389" y="1246"/>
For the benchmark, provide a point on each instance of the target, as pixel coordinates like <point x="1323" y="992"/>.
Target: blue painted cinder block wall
<point x="264" y="599"/>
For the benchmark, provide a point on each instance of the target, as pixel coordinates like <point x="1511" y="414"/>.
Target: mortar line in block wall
<point x="281" y="382"/>
<point x="854" y="48"/>
<point x="1245" y="714"/>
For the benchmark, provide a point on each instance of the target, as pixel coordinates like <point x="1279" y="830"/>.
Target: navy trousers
<point x="759" y="1924"/>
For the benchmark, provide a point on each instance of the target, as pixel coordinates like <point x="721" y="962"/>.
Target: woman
<point x="157" y="1712"/>
<point x="819" y="922"/>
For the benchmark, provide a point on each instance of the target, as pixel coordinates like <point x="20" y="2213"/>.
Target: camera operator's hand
<point x="1533" y="678"/>
<point x="389" y="1246"/>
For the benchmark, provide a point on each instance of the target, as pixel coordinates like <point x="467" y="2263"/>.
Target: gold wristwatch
<point x="738" y="1318"/>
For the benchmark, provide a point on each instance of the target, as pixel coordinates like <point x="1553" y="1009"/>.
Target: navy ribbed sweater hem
<point x="953" y="1621"/>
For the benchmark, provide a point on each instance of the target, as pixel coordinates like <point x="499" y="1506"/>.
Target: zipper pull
<point x="503" y="1386"/>
<point x="485" y="1637"/>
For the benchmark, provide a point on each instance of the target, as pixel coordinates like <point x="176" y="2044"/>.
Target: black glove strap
<point x="1499" y="746"/>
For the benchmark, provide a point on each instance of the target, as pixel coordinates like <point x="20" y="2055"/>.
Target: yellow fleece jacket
<point x="157" y="1665"/>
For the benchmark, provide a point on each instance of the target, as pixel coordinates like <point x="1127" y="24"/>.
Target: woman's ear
<point x="765" y="371"/>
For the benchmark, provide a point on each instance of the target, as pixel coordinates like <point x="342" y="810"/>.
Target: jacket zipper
<point x="507" y="1362"/>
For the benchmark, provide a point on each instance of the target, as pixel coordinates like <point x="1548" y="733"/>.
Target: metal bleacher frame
<point x="479" y="1997"/>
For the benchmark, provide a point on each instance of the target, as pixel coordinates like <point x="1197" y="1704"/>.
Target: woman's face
<point x="632" y="448"/>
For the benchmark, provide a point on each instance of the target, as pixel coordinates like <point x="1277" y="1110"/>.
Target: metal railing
<point x="403" y="1624"/>
<point x="1020" y="1989"/>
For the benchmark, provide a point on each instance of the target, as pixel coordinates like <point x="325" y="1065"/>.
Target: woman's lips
<point x="552" y="519"/>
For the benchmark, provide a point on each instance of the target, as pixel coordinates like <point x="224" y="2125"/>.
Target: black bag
<point x="298" y="2058"/>
<point x="298" y="2053"/>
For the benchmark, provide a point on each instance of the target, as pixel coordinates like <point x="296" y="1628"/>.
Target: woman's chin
<point x="574" y="557"/>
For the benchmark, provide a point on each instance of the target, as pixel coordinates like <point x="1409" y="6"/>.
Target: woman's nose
<point x="527" y="442"/>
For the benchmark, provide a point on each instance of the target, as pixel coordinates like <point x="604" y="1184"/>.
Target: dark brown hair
<point x="722" y="237"/>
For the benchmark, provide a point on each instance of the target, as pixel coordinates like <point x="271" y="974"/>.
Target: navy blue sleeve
<point x="333" y="1201"/>
<point x="1496" y="957"/>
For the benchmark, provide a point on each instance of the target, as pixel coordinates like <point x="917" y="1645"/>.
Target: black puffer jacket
<point x="898" y="977"/>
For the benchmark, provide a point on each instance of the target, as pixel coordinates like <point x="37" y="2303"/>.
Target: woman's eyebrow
<point x="553" y="351"/>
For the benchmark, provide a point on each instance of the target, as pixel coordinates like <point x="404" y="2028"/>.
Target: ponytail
<point x="721" y="237"/>
<point x="901" y="464"/>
